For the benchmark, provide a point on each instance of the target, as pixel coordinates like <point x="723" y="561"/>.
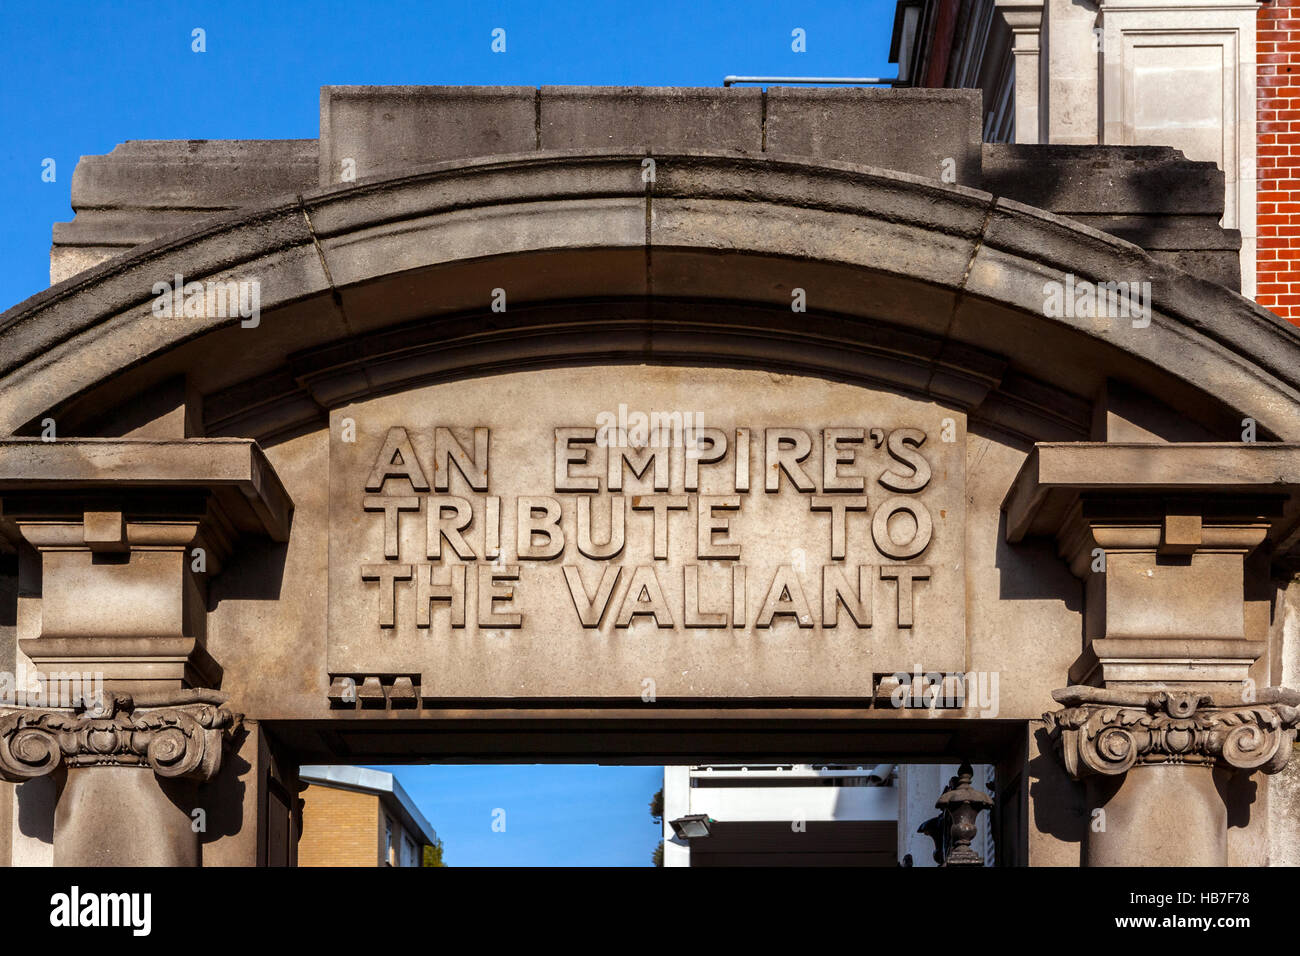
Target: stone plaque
<point x="637" y="533"/>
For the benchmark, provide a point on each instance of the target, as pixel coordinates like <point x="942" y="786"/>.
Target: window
<point x="388" y="842"/>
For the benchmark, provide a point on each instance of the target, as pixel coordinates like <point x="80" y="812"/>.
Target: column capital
<point x="122" y="537"/>
<point x="179" y="734"/>
<point x="1109" y="732"/>
<point x="1174" y="543"/>
<point x="1025" y="19"/>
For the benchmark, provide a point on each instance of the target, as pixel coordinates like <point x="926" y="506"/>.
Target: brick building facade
<point x="352" y="816"/>
<point x="1278" y="158"/>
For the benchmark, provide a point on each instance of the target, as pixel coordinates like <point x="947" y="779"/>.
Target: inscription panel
<point x="637" y="533"/>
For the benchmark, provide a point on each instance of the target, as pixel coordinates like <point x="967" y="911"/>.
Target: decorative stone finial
<point x="961" y="803"/>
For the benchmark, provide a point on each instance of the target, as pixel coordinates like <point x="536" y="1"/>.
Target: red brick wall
<point x="1278" y="159"/>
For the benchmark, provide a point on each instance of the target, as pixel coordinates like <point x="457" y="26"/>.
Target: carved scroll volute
<point x="1258" y="737"/>
<point x="32" y="745"/>
<point x="1109" y="732"/>
<point x="183" y="740"/>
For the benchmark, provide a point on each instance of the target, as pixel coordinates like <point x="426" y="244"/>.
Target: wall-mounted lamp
<point x="691" y="827"/>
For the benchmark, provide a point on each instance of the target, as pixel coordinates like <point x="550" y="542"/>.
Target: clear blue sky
<point x="79" y="78"/>
<point x="556" y="815"/>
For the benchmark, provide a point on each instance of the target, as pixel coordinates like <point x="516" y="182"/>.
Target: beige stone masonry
<point x="1161" y="535"/>
<point x="121" y="590"/>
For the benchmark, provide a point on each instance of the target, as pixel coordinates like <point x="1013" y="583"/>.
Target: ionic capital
<point x="1109" y="731"/>
<point x="178" y="735"/>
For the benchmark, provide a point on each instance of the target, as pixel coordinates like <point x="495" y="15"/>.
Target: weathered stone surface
<point x="528" y="292"/>
<point x="930" y="133"/>
<point x="145" y="189"/>
<point x="386" y="130"/>
<point x="898" y="225"/>
<point x="1162" y="536"/>
<point x="256" y="502"/>
<point x="1151" y="196"/>
<point x="660" y="119"/>
<point x="574" y="637"/>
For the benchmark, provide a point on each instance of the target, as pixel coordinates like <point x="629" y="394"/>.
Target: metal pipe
<point x="839" y="80"/>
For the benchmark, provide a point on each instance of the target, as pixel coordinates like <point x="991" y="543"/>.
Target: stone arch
<point x="913" y="287"/>
<point x="942" y="286"/>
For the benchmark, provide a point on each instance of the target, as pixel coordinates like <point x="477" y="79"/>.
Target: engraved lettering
<point x="396" y="459"/>
<point x="694" y="617"/>
<point x="390" y="505"/>
<point x="905" y="574"/>
<point x="710" y="446"/>
<point x="785" y="597"/>
<point x="644" y="596"/>
<point x="591" y="609"/>
<point x="838" y="506"/>
<point x="902" y="446"/>
<point x="834" y="455"/>
<point x="786" y="448"/>
<point x="439" y="527"/>
<point x="538" y="517"/>
<point x="836" y="590"/>
<point x="493" y="594"/>
<point x="427" y="591"/>
<point x="613" y="543"/>
<point x="922" y="528"/>
<point x="660" y="505"/>
<point x="447" y="450"/>
<point x="708" y="525"/>
<point x="387" y="575"/>
<point x="572" y="447"/>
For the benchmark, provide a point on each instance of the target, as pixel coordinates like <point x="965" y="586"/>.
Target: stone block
<point x="658" y="118"/>
<point x="384" y="130"/>
<point x="911" y="131"/>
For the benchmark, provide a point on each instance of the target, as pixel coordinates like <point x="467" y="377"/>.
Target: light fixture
<point x="691" y="827"/>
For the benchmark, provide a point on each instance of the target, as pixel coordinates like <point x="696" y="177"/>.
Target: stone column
<point x="1174" y="544"/>
<point x="130" y="772"/>
<point x="112" y="617"/>
<point x="1150" y="761"/>
<point x="1025" y="20"/>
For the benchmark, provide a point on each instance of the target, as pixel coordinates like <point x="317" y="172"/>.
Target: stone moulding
<point x="234" y="472"/>
<point x="1110" y="731"/>
<point x="338" y="248"/>
<point x="180" y="734"/>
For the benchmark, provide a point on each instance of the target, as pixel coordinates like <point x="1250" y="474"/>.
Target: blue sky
<point x="80" y="78"/>
<point x="554" y="815"/>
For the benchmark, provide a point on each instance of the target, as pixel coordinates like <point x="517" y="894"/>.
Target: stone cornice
<point x="233" y="471"/>
<point x="176" y="735"/>
<point x="955" y="240"/>
<point x="1109" y="732"/>
<point x="1025" y="19"/>
<point x="1056" y="474"/>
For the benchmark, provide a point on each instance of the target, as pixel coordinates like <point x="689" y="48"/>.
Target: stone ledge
<point x="234" y="471"/>
<point x="144" y="189"/>
<point x="1055" y="475"/>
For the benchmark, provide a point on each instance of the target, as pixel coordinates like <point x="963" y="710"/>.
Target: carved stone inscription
<point x="646" y="532"/>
